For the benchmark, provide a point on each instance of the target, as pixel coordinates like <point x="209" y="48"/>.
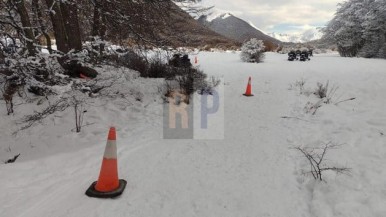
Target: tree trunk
<point x="27" y="27"/>
<point x="71" y="24"/>
<point x="58" y="26"/>
<point x="43" y="28"/>
<point x="103" y="27"/>
<point x="99" y="22"/>
<point x="96" y="26"/>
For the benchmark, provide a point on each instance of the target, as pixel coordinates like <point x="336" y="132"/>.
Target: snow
<point x="5" y="41"/>
<point x="217" y="14"/>
<point x="253" y="171"/>
<point x="53" y="47"/>
<point x="224" y="16"/>
<point x="305" y="36"/>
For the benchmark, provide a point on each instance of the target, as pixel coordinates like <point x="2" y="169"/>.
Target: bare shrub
<point x="345" y="100"/>
<point x="133" y="60"/>
<point x="331" y="93"/>
<point x="325" y="92"/>
<point x="11" y="84"/>
<point x="167" y="89"/>
<point x="299" y="84"/>
<point x="188" y="81"/>
<point x="75" y="101"/>
<point x="29" y="120"/>
<point x="177" y="97"/>
<point x="192" y="80"/>
<point x="171" y="92"/>
<point x="157" y="69"/>
<point x="316" y="159"/>
<point x="208" y="86"/>
<point x="312" y="108"/>
<point x="321" y="90"/>
<point x="79" y="110"/>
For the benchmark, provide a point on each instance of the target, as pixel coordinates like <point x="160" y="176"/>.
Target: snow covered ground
<point x="253" y="171"/>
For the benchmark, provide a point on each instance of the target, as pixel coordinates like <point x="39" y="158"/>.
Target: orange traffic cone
<point x="195" y="60"/>
<point x="108" y="184"/>
<point x="248" y="92"/>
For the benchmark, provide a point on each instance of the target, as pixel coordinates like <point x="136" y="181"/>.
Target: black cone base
<point x="92" y="192"/>
<point x="248" y="95"/>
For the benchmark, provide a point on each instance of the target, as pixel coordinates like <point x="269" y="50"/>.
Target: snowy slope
<point x="252" y="172"/>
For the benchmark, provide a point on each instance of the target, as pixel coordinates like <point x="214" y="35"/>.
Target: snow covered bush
<point x="38" y="75"/>
<point x="252" y="51"/>
<point x="112" y="84"/>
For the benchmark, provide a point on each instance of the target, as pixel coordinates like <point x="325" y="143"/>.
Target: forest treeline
<point x="359" y="28"/>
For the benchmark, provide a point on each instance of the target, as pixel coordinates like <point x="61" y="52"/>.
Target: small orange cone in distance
<point x="108" y="184"/>
<point x="248" y="92"/>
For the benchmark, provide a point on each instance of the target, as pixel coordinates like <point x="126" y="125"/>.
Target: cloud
<point x="279" y="15"/>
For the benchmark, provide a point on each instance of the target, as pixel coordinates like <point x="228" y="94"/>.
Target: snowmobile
<point x="292" y="56"/>
<point x="298" y="52"/>
<point x="310" y="53"/>
<point x="304" y="56"/>
<point x="178" y="61"/>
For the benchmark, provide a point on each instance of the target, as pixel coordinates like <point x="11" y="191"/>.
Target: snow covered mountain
<point x="186" y="31"/>
<point x="306" y="36"/>
<point x="235" y="28"/>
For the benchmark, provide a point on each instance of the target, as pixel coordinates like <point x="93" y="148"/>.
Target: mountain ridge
<point x="230" y="26"/>
<point x="306" y="36"/>
<point x="185" y="31"/>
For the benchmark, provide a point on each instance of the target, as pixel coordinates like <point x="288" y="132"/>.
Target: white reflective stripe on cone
<point x="111" y="149"/>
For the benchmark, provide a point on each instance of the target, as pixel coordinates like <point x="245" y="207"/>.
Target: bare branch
<point x="315" y="159"/>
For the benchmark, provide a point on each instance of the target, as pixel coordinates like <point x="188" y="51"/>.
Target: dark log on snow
<point x="75" y="69"/>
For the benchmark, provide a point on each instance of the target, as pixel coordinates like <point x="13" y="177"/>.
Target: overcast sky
<point x="280" y="16"/>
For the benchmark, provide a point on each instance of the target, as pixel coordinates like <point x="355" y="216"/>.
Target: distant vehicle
<point x="310" y="53"/>
<point x="178" y="61"/>
<point x="304" y="56"/>
<point x="298" y="52"/>
<point x="292" y="56"/>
